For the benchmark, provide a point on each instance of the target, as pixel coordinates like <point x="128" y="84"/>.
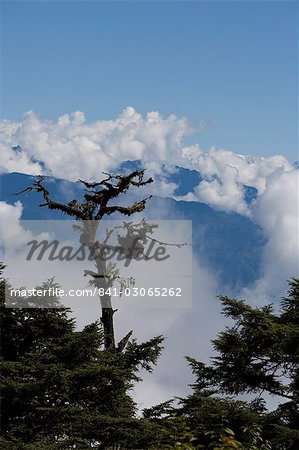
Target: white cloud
<point x="224" y="193"/>
<point x="15" y="160"/>
<point x="13" y="233"/>
<point x="188" y="331"/>
<point x="276" y="211"/>
<point x="70" y="148"/>
<point x="87" y="149"/>
<point x="226" y="173"/>
<point x="11" y="230"/>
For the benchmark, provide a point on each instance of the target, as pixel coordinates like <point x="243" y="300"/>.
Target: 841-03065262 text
<point x="142" y="292"/>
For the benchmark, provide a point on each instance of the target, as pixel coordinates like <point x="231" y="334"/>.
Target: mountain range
<point x="227" y="243"/>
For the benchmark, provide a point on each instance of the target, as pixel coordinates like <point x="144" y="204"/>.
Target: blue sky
<point x="230" y="64"/>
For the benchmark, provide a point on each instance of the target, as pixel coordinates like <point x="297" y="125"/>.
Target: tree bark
<point x="107" y="321"/>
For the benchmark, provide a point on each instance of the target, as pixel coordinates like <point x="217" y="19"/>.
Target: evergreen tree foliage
<point x="257" y="354"/>
<point x="60" y="389"/>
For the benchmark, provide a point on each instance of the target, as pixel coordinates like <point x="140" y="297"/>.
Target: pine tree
<point x="61" y="389"/>
<point x="257" y="354"/>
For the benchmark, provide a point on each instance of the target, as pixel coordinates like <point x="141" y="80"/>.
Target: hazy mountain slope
<point x="228" y="243"/>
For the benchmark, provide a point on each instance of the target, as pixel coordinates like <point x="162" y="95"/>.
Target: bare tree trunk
<point x="106" y="305"/>
<point x="101" y="281"/>
<point x="107" y="321"/>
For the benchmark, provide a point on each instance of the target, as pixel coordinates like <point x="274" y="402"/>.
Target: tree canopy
<point x="257" y="354"/>
<point x="60" y="388"/>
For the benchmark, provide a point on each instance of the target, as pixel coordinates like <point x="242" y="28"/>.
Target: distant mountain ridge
<point x="229" y="244"/>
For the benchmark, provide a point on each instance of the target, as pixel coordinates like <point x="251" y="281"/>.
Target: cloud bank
<point x="71" y="148"/>
<point x="276" y="211"/>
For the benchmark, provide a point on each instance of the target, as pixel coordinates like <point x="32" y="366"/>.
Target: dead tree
<point x="90" y="212"/>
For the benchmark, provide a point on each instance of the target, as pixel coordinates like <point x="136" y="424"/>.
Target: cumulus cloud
<point x="15" y="159"/>
<point x="188" y="334"/>
<point x="13" y="233"/>
<point x="86" y="149"/>
<point x="226" y="173"/>
<point x="276" y="211"/>
<point x="70" y="148"/>
<point x="11" y="230"/>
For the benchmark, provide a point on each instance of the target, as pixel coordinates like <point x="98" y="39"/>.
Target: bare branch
<point x="123" y="182"/>
<point x="170" y="244"/>
<point x="69" y="209"/>
<point x="121" y="345"/>
<point x="126" y="210"/>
